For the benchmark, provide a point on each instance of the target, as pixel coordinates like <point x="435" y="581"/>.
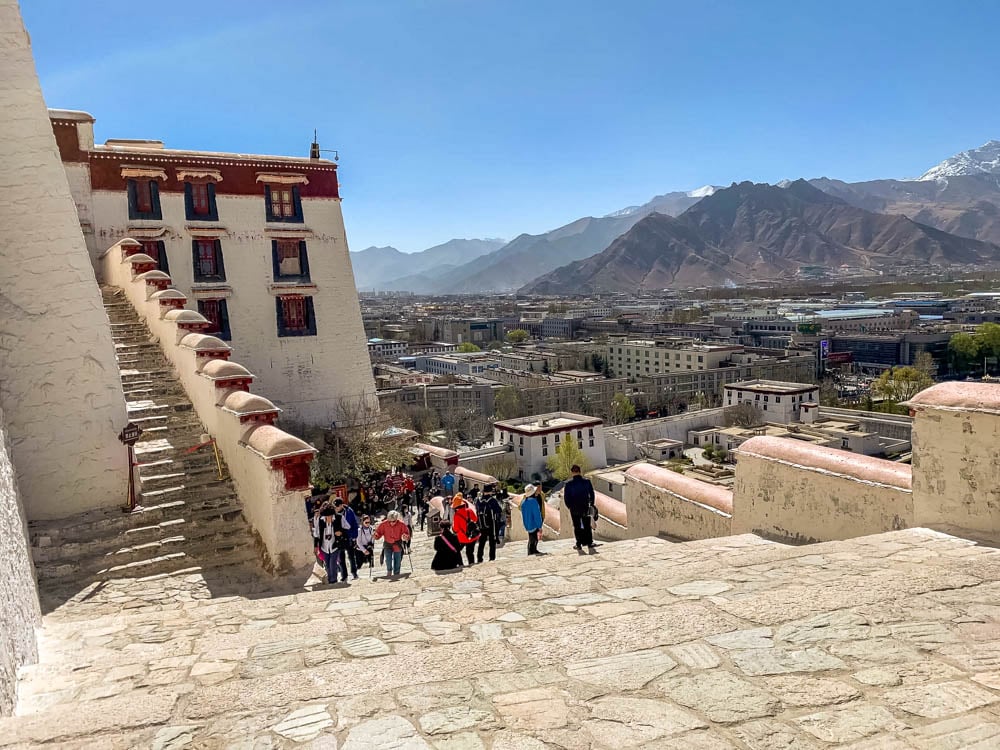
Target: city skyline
<point x="489" y="119"/>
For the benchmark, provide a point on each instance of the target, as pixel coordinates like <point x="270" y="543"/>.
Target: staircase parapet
<point x="269" y="467"/>
<point x="663" y="502"/>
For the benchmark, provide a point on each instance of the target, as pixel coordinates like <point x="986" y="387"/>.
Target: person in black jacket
<point x="447" y="549"/>
<point x="490" y="513"/>
<point x="579" y="498"/>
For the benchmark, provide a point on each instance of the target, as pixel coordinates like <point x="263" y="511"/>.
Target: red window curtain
<point x="143" y="196"/>
<point x="199" y="198"/>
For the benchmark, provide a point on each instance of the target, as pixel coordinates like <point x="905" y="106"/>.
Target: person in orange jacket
<point x="465" y="522"/>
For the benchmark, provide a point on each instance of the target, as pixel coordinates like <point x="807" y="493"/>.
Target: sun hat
<point x="529" y="489"/>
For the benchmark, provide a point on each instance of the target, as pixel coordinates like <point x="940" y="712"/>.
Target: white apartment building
<point x="778" y="401"/>
<point x="455" y="364"/>
<point x="256" y="244"/>
<point x="533" y="439"/>
<point x="638" y="357"/>
<point x="386" y="348"/>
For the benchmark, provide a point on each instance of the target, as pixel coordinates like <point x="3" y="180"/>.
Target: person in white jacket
<point x="365" y="542"/>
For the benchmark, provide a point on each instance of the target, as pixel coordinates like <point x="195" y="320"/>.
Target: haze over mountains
<point x="735" y="235"/>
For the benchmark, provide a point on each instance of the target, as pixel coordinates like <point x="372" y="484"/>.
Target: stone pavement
<point x="890" y="641"/>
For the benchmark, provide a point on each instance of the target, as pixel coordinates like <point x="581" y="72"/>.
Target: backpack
<point x="472" y="529"/>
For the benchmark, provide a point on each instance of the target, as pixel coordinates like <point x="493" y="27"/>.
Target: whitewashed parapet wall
<point x="798" y="492"/>
<point x="956" y="458"/>
<point x="662" y="502"/>
<point x="59" y="382"/>
<point x="268" y="466"/>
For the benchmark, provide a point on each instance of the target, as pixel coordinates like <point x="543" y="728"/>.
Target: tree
<point x="988" y="338"/>
<point x="468" y="347"/>
<point x="517" y="336"/>
<point x="507" y="403"/>
<point x="924" y="361"/>
<point x="566" y="455"/>
<point x="829" y="394"/>
<point x="744" y="414"/>
<point x="901" y="384"/>
<point x="596" y="362"/>
<point x="502" y="467"/>
<point x="963" y="350"/>
<point x="356" y="447"/>
<point x="622" y="409"/>
<point x="423" y="420"/>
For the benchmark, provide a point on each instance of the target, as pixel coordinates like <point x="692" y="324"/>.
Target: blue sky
<point x="488" y="118"/>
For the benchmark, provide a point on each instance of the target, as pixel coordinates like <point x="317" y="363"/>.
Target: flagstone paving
<point x="890" y="641"/>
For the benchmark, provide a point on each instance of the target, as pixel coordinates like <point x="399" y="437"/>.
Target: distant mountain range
<point x="731" y="235"/>
<point x="379" y="267"/>
<point x="751" y="232"/>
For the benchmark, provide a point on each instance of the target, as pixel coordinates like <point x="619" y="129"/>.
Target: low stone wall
<point x="19" y="612"/>
<point x="956" y="458"/>
<point x="269" y="467"/>
<point x="799" y="492"/>
<point x="662" y="502"/>
<point x="612" y="522"/>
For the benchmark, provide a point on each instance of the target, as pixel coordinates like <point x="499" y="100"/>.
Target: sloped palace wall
<point x="59" y="385"/>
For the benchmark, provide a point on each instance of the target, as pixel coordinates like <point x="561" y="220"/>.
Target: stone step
<point x="113" y="521"/>
<point x="102" y="561"/>
<point x="91" y="554"/>
<point x="216" y="489"/>
<point x="201" y="558"/>
<point x="201" y="477"/>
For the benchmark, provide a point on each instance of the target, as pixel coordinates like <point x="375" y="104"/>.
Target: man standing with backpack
<point x="489" y="511"/>
<point x="579" y="498"/>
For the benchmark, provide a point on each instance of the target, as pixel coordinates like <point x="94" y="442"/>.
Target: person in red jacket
<point x="465" y="523"/>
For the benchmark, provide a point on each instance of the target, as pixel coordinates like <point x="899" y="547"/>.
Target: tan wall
<point x="956" y="458"/>
<point x="804" y="493"/>
<point x="19" y="613"/>
<point x="274" y="513"/>
<point x="59" y="381"/>
<point x="655" y="511"/>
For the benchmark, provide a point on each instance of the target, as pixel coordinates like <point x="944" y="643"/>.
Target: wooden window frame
<point x="221" y="317"/>
<point x="197" y="245"/>
<point x="294" y="205"/>
<point x="308" y="320"/>
<point x="157" y="250"/>
<point x="303" y="274"/>
<point x="191" y="212"/>
<point x="143" y="211"/>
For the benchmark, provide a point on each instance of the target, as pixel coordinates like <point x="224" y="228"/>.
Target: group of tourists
<point x="471" y="527"/>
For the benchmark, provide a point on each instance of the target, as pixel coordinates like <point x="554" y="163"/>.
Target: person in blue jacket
<point x="350" y="520"/>
<point x="532" y="515"/>
<point x="448" y="483"/>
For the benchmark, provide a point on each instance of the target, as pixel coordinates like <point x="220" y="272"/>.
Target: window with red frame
<point x="207" y="260"/>
<point x="199" y="199"/>
<point x="155" y="249"/>
<point x="289" y="258"/>
<point x="293" y="310"/>
<point x="143" y="196"/>
<point x="295" y="316"/>
<point x="282" y="203"/>
<point x="216" y="312"/>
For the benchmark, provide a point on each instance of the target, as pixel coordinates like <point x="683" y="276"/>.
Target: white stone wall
<point x="19" y="613"/>
<point x="276" y="515"/>
<point x="59" y="382"/>
<point x="956" y="459"/>
<point x="307" y="376"/>
<point x="655" y="511"/>
<point x="798" y="502"/>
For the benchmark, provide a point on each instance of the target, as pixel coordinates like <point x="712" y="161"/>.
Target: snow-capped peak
<point x="702" y="192"/>
<point x="982" y="160"/>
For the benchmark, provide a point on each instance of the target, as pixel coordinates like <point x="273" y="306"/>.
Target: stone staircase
<point x="188" y="520"/>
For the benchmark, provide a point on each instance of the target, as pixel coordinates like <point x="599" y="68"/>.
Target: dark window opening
<point x="290" y="260"/>
<point x="156" y="249"/>
<point x="216" y="311"/>
<point x="144" y="199"/>
<point x="283" y="203"/>
<point x="296" y="316"/>
<point x="208" y="265"/>
<point x="199" y="201"/>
